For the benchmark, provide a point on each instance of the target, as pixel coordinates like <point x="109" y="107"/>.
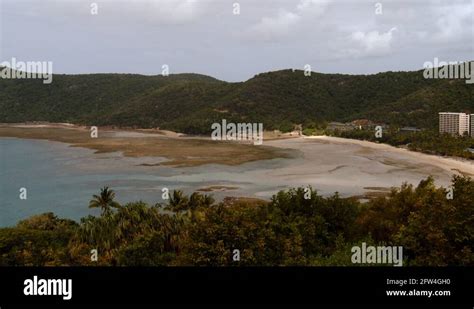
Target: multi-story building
<point x="455" y="123"/>
<point x="472" y="125"/>
<point x="464" y="124"/>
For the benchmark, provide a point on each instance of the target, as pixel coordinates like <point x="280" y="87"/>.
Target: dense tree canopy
<point x="190" y="103"/>
<point x="434" y="225"/>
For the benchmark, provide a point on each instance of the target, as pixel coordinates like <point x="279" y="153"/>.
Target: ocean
<point x="62" y="179"/>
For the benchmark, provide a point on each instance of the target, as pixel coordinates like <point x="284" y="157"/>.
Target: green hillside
<point x="190" y="103"/>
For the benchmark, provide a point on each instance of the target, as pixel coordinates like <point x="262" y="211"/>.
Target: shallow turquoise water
<point x="62" y="179"/>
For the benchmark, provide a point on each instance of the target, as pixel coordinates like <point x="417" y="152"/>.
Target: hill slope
<point x="190" y="103"/>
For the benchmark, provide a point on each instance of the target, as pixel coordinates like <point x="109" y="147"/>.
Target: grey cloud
<point x="203" y="36"/>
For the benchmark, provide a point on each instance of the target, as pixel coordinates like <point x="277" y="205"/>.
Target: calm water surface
<point x="62" y="179"/>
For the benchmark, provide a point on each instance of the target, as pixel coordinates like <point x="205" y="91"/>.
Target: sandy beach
<point x="459" y="165"/>
<point x="355" y="168"/>
<point x="179" y="150"/>
<point x="64" y="167"/>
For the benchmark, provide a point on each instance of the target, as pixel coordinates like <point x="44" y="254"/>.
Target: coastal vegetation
<point x="427" y="141"/>
<point x="190" y="103"/>
<point x="298" y="227"/>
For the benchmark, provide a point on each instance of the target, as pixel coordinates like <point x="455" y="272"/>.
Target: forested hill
<point x="190" y="103"/>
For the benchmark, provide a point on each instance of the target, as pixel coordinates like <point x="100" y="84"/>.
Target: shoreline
<point x="353" y="168"/>
<point x="65" y="125"/>
<point x="122" y="138"/>
<point x="449" y="163"/>
<point x="179" y="150"/>
<point x="268" y="135"/>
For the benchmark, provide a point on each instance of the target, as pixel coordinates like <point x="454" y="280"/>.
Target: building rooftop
<point x="450" y="113"/>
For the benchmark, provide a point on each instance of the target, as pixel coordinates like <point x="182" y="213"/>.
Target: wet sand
<point x="328" y="164"/>
<point x="179" y="151"/>
<point x="455" y="165"/>
<point x="355" y="168"/>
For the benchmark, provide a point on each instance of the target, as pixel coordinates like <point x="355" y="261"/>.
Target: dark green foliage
<point x="126" y="232"/>
<point x="38" y="241"/>
<point x="190" y="103"/>
<point x="297" y="227"/>
<point x="433" y="229"/>
<point x="104" y="201"/>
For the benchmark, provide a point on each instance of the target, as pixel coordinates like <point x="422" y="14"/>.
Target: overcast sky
<point x="204" y="36"/>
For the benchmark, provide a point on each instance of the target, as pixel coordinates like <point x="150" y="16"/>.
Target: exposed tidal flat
<point x="138" y="165"/>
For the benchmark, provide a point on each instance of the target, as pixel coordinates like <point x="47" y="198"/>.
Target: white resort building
<point x="455" y="123"/>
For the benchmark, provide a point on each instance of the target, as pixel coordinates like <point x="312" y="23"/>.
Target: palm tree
<point x="178" y="202"/>
<point x="105" y="201"/>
